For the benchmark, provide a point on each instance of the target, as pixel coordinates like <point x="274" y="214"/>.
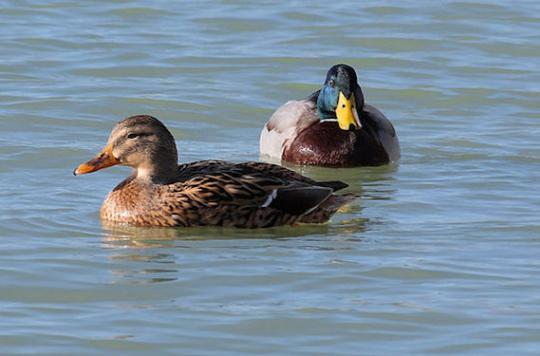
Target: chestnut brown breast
<point x="325" y="144"/>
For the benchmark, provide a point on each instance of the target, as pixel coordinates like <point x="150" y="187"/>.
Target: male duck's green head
<point x="341" y="98"/>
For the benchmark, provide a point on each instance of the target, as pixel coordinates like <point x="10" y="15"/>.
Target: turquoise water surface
<point x="440" y="254"/>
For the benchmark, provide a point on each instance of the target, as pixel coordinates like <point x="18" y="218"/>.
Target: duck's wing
<point x="285" y="124"/>
<point x="230" y="198"/>
<point x="384" y="131"/>
<point x="190" y="170"/>
<point x="289" y="175"/>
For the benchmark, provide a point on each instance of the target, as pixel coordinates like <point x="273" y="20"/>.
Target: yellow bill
<point x="346" y="113"/>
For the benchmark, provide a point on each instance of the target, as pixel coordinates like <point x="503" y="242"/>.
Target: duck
<point x="332" y="127"/>
<point x="162" y="193"/>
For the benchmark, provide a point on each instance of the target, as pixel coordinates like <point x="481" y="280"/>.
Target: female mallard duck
<point x="332" y="127"/>
<point x="162" y="193"/>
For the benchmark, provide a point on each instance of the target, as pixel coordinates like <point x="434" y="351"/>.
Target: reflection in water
<point x="149" y="253"/>
<point x="143" y="266"/>
<point x="137" y="237"/>
<point x="140" y="260"/>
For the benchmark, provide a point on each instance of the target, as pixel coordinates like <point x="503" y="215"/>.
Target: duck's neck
<point x="156" y="174"/>
<point x="326" y="115"/>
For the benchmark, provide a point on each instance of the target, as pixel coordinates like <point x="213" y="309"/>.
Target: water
<point x="439" y="256"/>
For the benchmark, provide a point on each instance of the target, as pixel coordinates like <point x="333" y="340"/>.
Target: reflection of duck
<point x="162" y="193"/>
<point x="124" y="236"/>
<point x="332" y="127"/>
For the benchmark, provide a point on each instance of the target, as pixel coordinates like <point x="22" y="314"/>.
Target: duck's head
<point x="341" y="98"/>
<point x="141" y="142"/>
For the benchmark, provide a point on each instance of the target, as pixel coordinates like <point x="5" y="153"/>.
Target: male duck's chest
<point x="325" y="144"/>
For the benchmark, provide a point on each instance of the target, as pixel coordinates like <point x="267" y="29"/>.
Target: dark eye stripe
<point x="138" y="134"/>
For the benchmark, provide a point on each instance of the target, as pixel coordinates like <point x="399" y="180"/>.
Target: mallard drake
<point x="160" y="192"/>
<point x="332" y="127"/>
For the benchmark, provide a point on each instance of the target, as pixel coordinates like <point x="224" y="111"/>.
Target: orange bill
<point x="103" y="160"/>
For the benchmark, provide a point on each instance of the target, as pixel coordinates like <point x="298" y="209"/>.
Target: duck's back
<point x="201" y="168"/>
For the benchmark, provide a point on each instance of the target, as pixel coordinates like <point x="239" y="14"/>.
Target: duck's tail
<point x="328" y="208"/>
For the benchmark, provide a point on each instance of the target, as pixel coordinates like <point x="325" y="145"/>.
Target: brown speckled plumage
<point x="204" y="193"/>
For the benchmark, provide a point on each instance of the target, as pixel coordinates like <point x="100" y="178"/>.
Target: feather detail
<point x="203" y="193"/>
<point x="220" y="193"/>
<point x="284" y="125"/>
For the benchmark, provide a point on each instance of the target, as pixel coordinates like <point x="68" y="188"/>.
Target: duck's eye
<point x="332" y="83"/>
<point x="133" y="135"/>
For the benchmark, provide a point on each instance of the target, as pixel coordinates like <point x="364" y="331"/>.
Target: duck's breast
<point x="325" y="144"/>
<point x="136" y="204"/>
